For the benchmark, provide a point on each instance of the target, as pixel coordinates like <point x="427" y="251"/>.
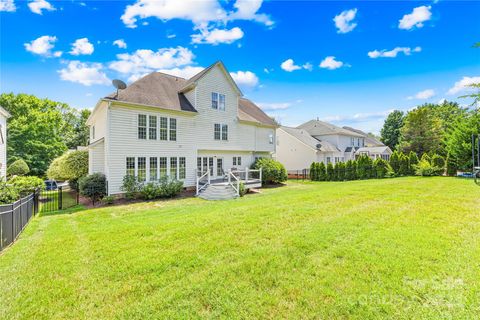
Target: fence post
<point x="13" y="222"/>
<point x="60" y="196"/>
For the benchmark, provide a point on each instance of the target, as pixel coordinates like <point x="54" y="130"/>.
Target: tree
<point x="70" y="166"/>
<point x="404" y="168"/>
<point x="412" y="161"/>
<point x="381" y="168"/>
<point x="93" y="186"/>
<point x="421" y="132"/>
<point x="313" y="171"/>
<point x="350" y="169"/>
<point x="364" y="167"/>
<point x="18" y="168"/>
<point x="322" y="175"/>
<point x="395" y="162"/>
<point x="390" y="133"/>
<point x="330" y="175"/>
<point x="340" y="166"/>
<point x="272" y="171"/>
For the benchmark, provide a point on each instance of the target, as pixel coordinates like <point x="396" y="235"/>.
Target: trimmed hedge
<point x="272" y="171"/>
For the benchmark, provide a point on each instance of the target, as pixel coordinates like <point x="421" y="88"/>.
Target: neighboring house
<point x="164" y="125"/>
<point x="318" y="141"/>
<point x="3" y="142"/>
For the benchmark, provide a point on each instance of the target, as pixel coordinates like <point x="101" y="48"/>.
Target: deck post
<point x="246" y="175"/>
<point x="229" y="178"/>
<point x="208" y="176"/>
<point x="260" y="176"/>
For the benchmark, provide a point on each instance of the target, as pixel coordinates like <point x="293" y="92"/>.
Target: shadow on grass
<point x="61" y="212"/>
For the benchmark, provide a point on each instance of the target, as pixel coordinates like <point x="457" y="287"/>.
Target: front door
<point x="212" y="164"/>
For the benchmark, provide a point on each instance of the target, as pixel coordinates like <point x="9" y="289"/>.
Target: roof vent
<point x="319" y="146"/>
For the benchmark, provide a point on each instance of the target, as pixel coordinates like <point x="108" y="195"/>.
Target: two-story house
<point x="4" y="115"/>
<point x="318" y="141"/>
<point x="164" y="125"/>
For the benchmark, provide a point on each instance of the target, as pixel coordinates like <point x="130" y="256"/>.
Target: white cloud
<point x="245" y="78"/>
<point x="289" y="66"/>
<point x="393" y="53"/>
<point x="358" y="117"/>
<point x="7" y="6"/>
<point x="422" y="95"/>
<point x="81" y="46"/>
<point x="344" y="21"/>
<point x="415" y="19"/>
<point x="274" y="106"/>
<point x="171" y="36"/>
<point x="463" y="84"/>
<point x="308" y="66"/>
<point x="37" y="6"/>
<point x="84" y="73"/>
<point x="43" y="46"/>
<point x="331" y="64"/>
<point x="442" y="101"/>
<point x="144" y="60"/>
<point x="120" y="43"/>
<point x="217" y="36"/>
<point x="199" y="12"/>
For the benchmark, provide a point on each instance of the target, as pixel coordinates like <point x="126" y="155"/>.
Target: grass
<point x="396" y="248"/>
<point x="51" y="199"/>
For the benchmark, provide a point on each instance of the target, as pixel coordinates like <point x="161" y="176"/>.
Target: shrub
<point x="412" y="161"/>
<point x="131" y="186"/>
<point x="313" y="173"/>
<point x="451" y="166"/>
<point x="426" y="157"/>
<point x="340" y="171"/>
<point x="330" y="174"/>
<point x="438" y="161"/>
<point x="18" y="168"/>
<point x="321" y="169"/>
<point x="70" y="166"/>
<point x="93" y="186"/>
<point x="381" y="168"/>
<point x="404" y="168"/>
<point x="350" y="170"/>
<point x="8" y="194"/>
<point x="242" y="191"/>
<point x="150" y="191"/>
<point x="395" y="162"/>
<point x="364" y="167"/>
<point x="108" y="199"/>
<point x="26" y="185"/>
<point x="425" y="168"/>
<point x="169" y="188"/>
<point x="272" y="171"/>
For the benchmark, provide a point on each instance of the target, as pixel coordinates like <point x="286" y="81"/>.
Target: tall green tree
<point x="459" y="142"/>
<point x="390" y="133"/>
<point x="421" y="132"/>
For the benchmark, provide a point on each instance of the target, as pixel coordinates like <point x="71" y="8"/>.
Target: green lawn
<point x="395" y="248"/>
<point x="49" y="200"/>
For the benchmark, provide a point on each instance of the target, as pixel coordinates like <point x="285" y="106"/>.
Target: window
<point x="173" y="168"/>
<point x="270" y="138"/>
<point x="153" y="169"/>
<point x="163" y="128"/>
<point x="130" y="166"/>
<point x="219" y="167"/>
<point x="352" y="141"/>
<point x="142" y="126"/>
<point x="199" y="165"/>
<point x="173" y="129"/>
<point x="337" y="159"/>
<point x="358" y="142"/>
<point x="152" y="127"/>
<point x="205" y="165"/>
<point x="210" y="165"/>
<point x="329" y="160"/>
<point x="237" y="161"/>
<point x="224" y="132"/>
<point x="163" y="166"/>
<point x="221" y="105"/>
<point x="182" y="168"/>
<point x="385" y="157"/>
<point x="141" y="168"/>
<point x="216" y="131"/>
<point x="214" y="100"/>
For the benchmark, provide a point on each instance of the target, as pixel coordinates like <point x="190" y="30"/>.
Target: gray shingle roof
<point x="374" y="149"/>
<point x="320" y="128"/>
<point x="307" y="139"/>
<point x="369" y="140"/>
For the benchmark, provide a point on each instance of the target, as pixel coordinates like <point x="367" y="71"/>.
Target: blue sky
<point x="346" y="62"/>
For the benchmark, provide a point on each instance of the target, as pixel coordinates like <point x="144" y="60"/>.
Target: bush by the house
<point x="340" y="171"/>
<point x="26" y="185"/>
<point x="381" y="168"/>
<point x="8" y="194"/>
<point x="242" y="190"/>
<point x="164" y="188"/>
<point x="131" y="186"/>
<point x="426" y="169"/>
<point x="329" y="172"/>
<point x="108" y="200"/>
<point x="18" y="168"/>
<point x="364" y="167"/>
<point x="150" y="191"/>
<point x="70" y="166"/>
<point x="93" y="186"/>
<point x="272" y="171"/>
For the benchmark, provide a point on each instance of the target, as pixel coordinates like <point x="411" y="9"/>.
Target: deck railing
<point x="235" y="183"/>
<point x="248" y="175"/>
<point x="203" y="184"/>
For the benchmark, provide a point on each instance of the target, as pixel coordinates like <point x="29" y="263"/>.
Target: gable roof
<point x="381" y="149"/>
<point x="320" y="128"/>
<point x="369" y="140"/>
<point x="192" y="82"/>
<point x="162" y="90"/>
<point x="310" y="141"/>
<point x="5" y="113"/>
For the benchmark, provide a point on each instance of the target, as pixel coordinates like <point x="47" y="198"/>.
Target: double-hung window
<point x="130" y="166"/>
<point x="217" y="131"/>
<point x="224" y="132"/>
<point x="221" y="102"/>
<point x="152" y="127"/>
<point x="214" y="100"/>
<point x="142" y="126"/>
<point x="142" y="168"/>
<point x="173" y="129"/>
<point x="173" y="168"/>
<point x="163" y="166"/>
<point x="163" y="128"/>
<point x="182" y="168"/>
<point x="237" y="161"/>
<point x="153" y="169"/>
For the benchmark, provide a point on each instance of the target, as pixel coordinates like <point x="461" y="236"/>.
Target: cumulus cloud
<point x="357" y="117"/>
<point x="415" y="19"/>
<point x="217" y="36"/>
<point x="289" y="66"/>
<point x="422" y="95"/>
<point x="43" y="46"/>
<point x="7" y="6"/>
<point x="245" y="78"/>
<point x="247" y="10"/>
<point x="120" y="43"/>
<point x="37" y="6"/>
<point x="393" y="53"/>
<point x="463" y="84"/>
<point x="84" y="73"/>
<point x="344" y="21"/>
<point x="81" y="47"/>
<point x="274" y="106"/>
<point x="144" y="60"/>
<point x="331" y="64"/>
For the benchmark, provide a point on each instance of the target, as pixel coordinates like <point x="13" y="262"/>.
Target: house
<point x="318" y="141"/>
<point x="4" y="115"/>
<point x="188" y="129"/>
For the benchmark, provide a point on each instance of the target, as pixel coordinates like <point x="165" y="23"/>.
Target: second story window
<point x="214" y="100"/>
<point x="93" y="132"/>
<point x="270" y="138"/>
<point x="224" y="132"/>
<point x="173" y="129"/>
<point x="152" y="127"/>
<point x="218" y="101"/>
<point x="163" y="128"/>
<point x="216" y="131"/>
<point x="142" y="126"/>
<point x="352" y="141"/>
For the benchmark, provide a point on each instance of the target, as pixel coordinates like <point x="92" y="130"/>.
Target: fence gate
<point x="62" y="198"/>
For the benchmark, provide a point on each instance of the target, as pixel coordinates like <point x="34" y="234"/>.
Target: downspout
<point x="107" y="148"/>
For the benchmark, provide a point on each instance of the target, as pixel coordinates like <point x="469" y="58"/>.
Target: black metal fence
<point x="62" y="198"/>
<point x="14" y="217"/>
<point x="303" y="174"/>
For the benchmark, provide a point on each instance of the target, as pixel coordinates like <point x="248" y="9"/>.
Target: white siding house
<point x="166" y="125"/>
<point x="3" y="142"/>
<point x="318" y="141"/>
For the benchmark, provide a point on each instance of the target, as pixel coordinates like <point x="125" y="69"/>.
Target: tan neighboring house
<point x="318" y="141"/>
<point x="4" y="115"/>
<point x="188" y="129"/>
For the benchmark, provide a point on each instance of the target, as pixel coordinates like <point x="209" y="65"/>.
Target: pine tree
<point x="404" y="168"/>
<point x="322" y="175"/>
<point x="341" y="171"/>
<point x="395" y="161"/>
<point x="329" y="172"/>
<point x="313" y="172"/>
<point x="412" y="162"/>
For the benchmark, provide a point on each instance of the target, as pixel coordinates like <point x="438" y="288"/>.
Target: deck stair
<point x="220" y="191"/>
